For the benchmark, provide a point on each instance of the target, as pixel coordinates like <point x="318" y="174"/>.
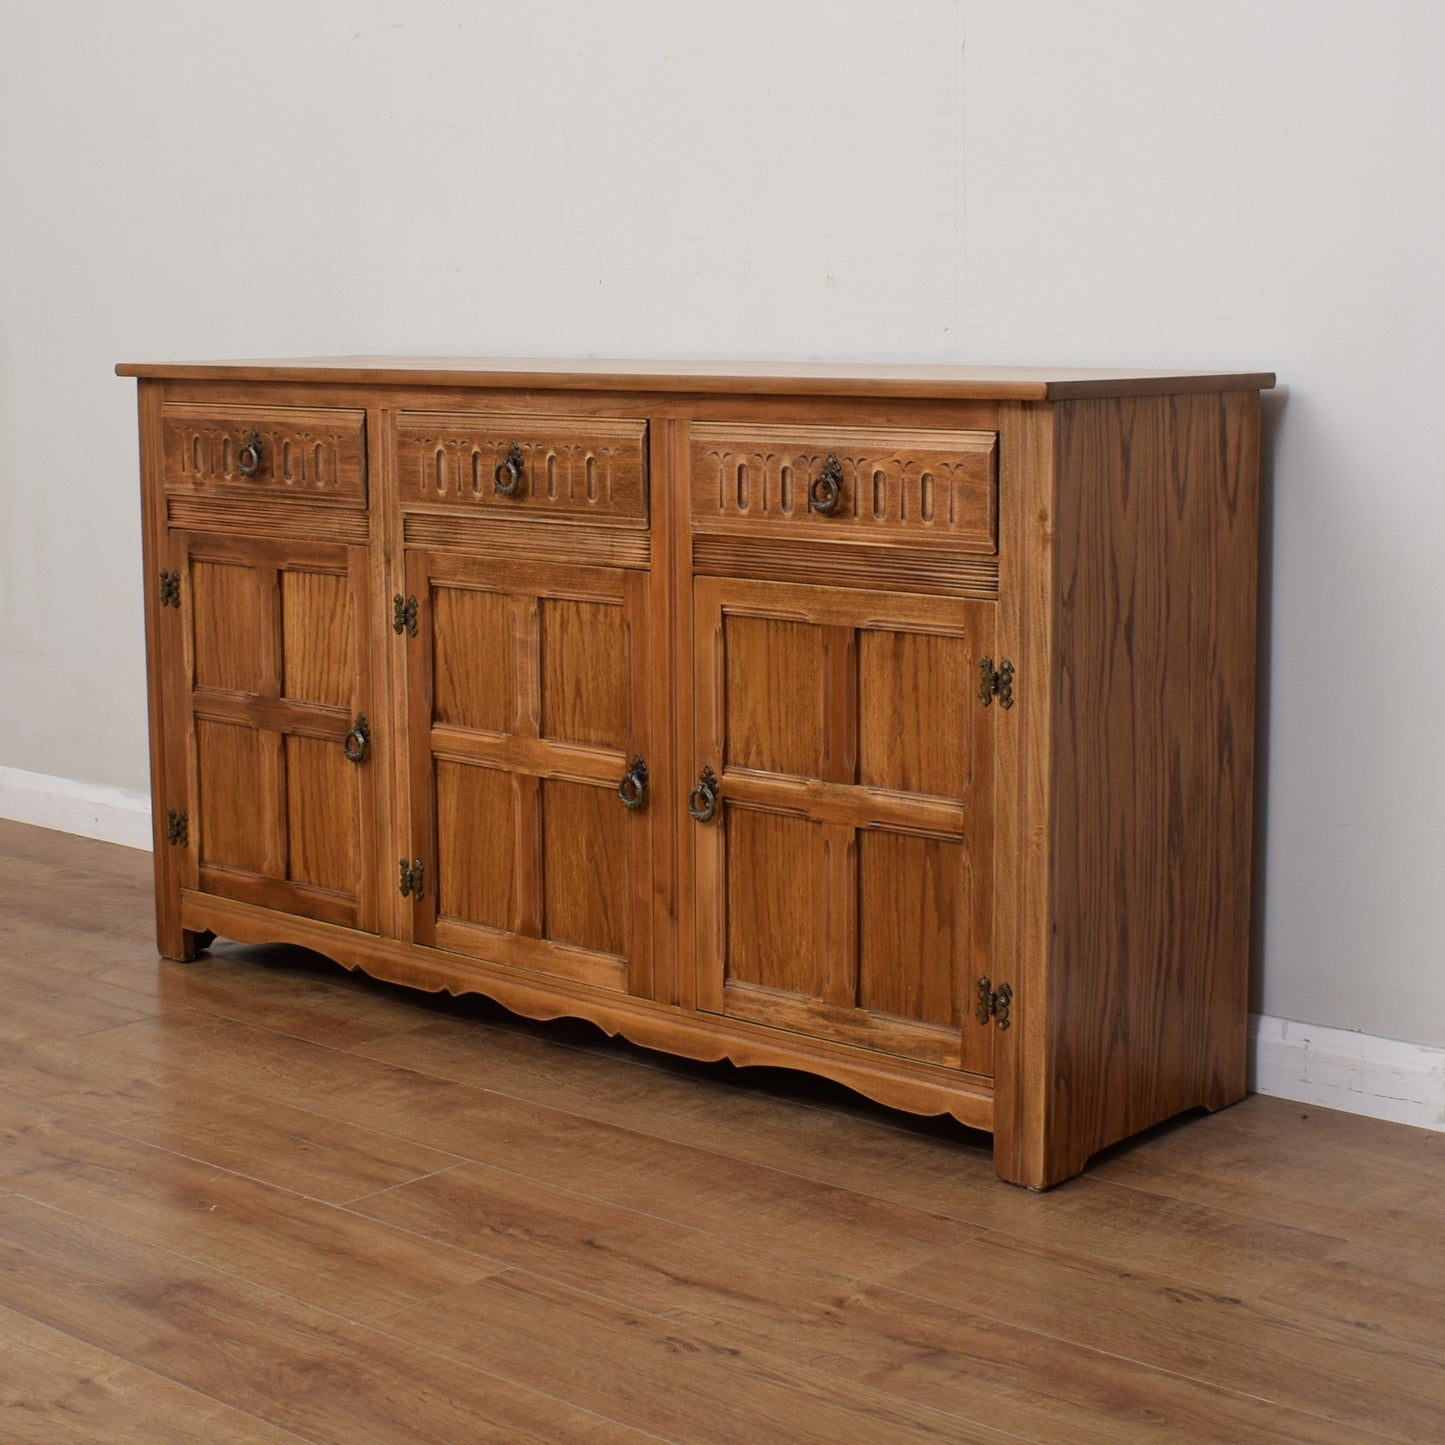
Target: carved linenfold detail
<point x="939" y="485"/>
<point x="313" y="453"/>
<point x="564" y="466"/>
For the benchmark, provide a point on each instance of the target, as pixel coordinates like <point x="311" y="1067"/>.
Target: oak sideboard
<point x="892" y="724"/>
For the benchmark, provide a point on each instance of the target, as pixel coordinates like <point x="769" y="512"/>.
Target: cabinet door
<point x="844" y="881"/>
<point x="277" y="685"/>
<point x="527" y="690"/>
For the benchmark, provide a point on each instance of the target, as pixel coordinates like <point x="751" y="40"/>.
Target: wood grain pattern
<point x="227" y="612"/>
<point x="318" y="649"/>
<point x="323" y="814"/>
<point x="586" y="672"/>
<point x="914" y="691"/>
<point x="517" y="539"/>
<point x="1158" y="520"/>
<point x="476" y="845"/>
<point x="588" y="890"/>
<point x="913" y="956"/>
<point x="236" y="818"/>
<point x="773" y="872"/>
<point x="474" y="665"/>
<point x="481" y="1193"/>
<point x="298" y="520"/>
<point x="773" y="699"/>
<point x="846" y="564"/>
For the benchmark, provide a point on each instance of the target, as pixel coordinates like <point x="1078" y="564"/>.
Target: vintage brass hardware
<point x="177" y="828"/>
<point x="248" y="459"/>
<point x="403" y="615"/>
<point x="411" y="876"/>
<point x="702" y="801"/>
<point x="355" y="743"/>
<point x="993" y="1005"/>
<point x="993" y="684"/>
<point x="827" y="487"/>
<point x="170" y="588"/>
<point x="633" y="787"/>
<point x="512" y="465"/>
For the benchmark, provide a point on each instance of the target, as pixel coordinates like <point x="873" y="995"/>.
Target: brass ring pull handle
<point x="511" y="464"/>
<point x="702" y="801"/>
<point x="356" y="742"/>
<point x="632" y="790"/>
<point x="827" y="487"/>
<point x="248" y="459"/>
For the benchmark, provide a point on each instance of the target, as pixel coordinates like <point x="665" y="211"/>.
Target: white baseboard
<point x="113" y="815"/>
<point x="1312" y="1064"/>
<point x="1337" y="1069"/>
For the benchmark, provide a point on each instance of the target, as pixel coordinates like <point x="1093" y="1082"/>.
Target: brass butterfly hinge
<point x="411" y="876"/>
<point x="993" y="1005"/>
<point x="993" y="684"/>
<point x="403" y="615"/>
<point x="170" y="588"/>
<point x="177" y="828"/>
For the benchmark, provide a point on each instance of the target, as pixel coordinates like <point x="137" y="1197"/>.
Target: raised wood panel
<point x="856" y="813"/>
<point x="323" y="815"/>
<point x="318" y="640"/>
<point x="474" y="659"/>
<point x="915" y="485"/>
<point x="236" y="813"/>
<point x="774" y="883"/>
<point x="230" y="627"/>
<point x="910" y="927"/>
<point x="583" y="468"/>
<point x="528" y="690"/>
<point x="773" y="693"/>
<point x="304" y="452"/>
<point x="283" y="818"/>
<point x="586" y="672"/>
<point x="916" y="699"/>
<point x="476" y="844"/>
<point x="588" y="888"/>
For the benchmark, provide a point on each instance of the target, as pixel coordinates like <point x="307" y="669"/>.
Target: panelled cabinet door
<point x="844" y="877"/>
<point x="279" y="713"/>
<point x="531" y="815"/>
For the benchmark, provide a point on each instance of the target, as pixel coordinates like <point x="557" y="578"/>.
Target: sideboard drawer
<point x="914" y="485"/>
<point x="265" y="452"/>
<point x="591" y="469"/>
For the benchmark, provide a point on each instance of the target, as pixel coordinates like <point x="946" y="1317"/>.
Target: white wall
<point x="1141" y="182"/>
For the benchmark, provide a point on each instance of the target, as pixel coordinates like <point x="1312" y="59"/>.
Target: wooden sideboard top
<point x="983" y="383"/>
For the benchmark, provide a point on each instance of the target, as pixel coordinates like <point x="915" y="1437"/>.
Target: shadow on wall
<point x="1272" y="407"/>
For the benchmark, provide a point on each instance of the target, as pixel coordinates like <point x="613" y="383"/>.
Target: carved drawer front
<point x="569" y="468"/>
<point x="853" y="482"/>
<point x="265" y="452"/>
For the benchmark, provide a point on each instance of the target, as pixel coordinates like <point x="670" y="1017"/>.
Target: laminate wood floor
<point x="255" y="1198"/>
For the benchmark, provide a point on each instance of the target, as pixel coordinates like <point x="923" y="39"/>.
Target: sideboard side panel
<point x="1157" y="576"/>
